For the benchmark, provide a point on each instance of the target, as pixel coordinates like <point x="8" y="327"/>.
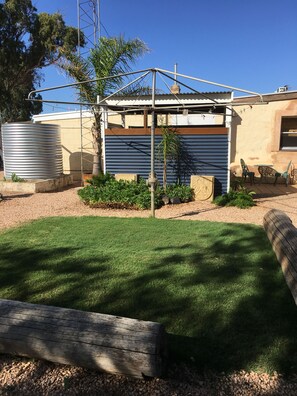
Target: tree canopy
<point x="112" y="56"/>
<point x="28" y="42"/>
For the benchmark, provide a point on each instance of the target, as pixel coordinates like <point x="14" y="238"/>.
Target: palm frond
<point x="79" y="69"/>
<point x="114" y="56"/>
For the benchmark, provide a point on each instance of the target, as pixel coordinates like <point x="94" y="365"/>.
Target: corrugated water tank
<point x="32" y="151"/>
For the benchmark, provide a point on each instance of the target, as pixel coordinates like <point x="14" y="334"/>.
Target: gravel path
<point x="20" y="376"/>
<point x="19" y="208"/>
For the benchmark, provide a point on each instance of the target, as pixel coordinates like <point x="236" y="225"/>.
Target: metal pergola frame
<point x="153" y="108"/>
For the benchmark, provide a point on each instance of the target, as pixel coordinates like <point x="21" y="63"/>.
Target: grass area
<point x="216" y="287"/>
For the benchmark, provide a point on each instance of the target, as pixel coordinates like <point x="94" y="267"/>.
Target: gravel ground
<point x="19" y="208"/>
<point x="20" y="376"/>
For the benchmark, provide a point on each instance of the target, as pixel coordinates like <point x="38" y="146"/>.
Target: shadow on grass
<point x="219" y="292"/>
<point x="29" y="275"/>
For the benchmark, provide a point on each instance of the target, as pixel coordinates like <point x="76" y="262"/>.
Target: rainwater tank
<point x="32" y="151"/>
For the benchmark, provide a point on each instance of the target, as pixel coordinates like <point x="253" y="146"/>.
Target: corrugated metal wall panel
<point x="202" y="154"/>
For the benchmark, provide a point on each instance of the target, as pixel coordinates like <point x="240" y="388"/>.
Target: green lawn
<point x="216" y="287"/>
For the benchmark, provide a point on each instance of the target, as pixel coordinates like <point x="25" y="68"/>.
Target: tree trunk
<point x="97" y="144"/>
<point x="107" y="343"/>
<point x="165" y="174"/>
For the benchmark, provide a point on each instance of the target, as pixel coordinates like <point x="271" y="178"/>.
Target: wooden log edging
<point x="107" y="343"/>
<point x="283" y="237"/>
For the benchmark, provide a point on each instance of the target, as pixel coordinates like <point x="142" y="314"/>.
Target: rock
<point x="165" y="200"/>
<point x="175" y="200"/>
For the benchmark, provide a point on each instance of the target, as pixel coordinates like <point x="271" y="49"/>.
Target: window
<point x="288" y="134"/>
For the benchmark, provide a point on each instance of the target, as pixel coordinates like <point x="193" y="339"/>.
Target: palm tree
<point x="168" y="149"/>
<point x="110" y="57"/>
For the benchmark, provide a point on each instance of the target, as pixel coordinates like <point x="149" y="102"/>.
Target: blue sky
<point x="250" y="44"/>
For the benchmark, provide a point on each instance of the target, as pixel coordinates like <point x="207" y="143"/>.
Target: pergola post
<point x="152" y="177"/>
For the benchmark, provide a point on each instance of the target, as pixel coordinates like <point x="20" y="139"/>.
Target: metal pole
<point x="228" y="123"/>
<point x="175" y="71"/>
<point x="152" y="178"/>
<point x="98" y="13"/>
<point x="87" y="81"/>
<point x="94" y="26"/>
<point x="78" y="27"/>
<point x="80" y="107"/>
<point x="81" y="147"/>
<point x="209" y="82"/>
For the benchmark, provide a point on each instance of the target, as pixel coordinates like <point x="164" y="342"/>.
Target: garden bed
<point x="36" y="186"/>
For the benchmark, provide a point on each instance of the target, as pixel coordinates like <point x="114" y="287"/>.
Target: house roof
<point x="164" y="102"/>
<point x="189" y="98"/>
<point x="269" y="97"/>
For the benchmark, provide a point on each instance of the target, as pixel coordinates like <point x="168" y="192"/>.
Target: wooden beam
<point x="107" y="343"/>
<point x="145" y="122"/>
<point x="283" y="237"/>
<point x="158" y="131"/>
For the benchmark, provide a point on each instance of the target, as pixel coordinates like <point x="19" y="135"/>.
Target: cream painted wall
<point x="255" y="135"/>
<point x="136" y="120"/>
<point x="71" y="142"/>
<point x="133" y="120"/>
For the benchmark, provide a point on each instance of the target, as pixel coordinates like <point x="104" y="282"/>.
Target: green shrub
<point x="16" y="179"/>
<point x="100" y="180"/>
<point x="181" y="191"/>
<point x="242" y="199"/>
<point x="105" y="191"/>
<point x="119" y="194"/>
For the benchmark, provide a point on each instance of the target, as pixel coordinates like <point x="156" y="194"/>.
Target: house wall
<point x="70" y="126"/>
<point x="210" y="150"/>
<point x="204" y="152"/>
<point x="71" y="140"/>
<point x="256" y="132"/>
<point x="71" y="144"/>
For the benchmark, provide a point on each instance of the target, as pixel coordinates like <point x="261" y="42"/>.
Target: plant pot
<point x="85" y="177"/>
<point x="175" y="201"/>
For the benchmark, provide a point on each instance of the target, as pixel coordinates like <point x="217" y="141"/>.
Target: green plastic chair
<point x="285" y="174"/>
<point x="246" y="172"/>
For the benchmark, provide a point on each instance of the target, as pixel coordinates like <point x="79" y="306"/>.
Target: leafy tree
<point x="28" y="42"/>
<point x="110" y="57"/>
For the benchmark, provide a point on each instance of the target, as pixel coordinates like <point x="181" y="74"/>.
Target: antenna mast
<point x="88" y="22"/>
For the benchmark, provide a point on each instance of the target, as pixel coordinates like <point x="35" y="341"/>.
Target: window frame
<point x="286" y="133"/>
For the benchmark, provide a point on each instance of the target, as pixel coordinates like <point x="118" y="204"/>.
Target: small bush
<point x="16" y="179"/>
<point x="181" y="191"/>
<point x="242" y="199"/>
<point x="119" y="194"/>
<point x="105" y="191"/>
<point x="100" y="180"/>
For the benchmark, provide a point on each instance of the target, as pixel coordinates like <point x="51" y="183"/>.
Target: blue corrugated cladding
<point x="201" y="155"/>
